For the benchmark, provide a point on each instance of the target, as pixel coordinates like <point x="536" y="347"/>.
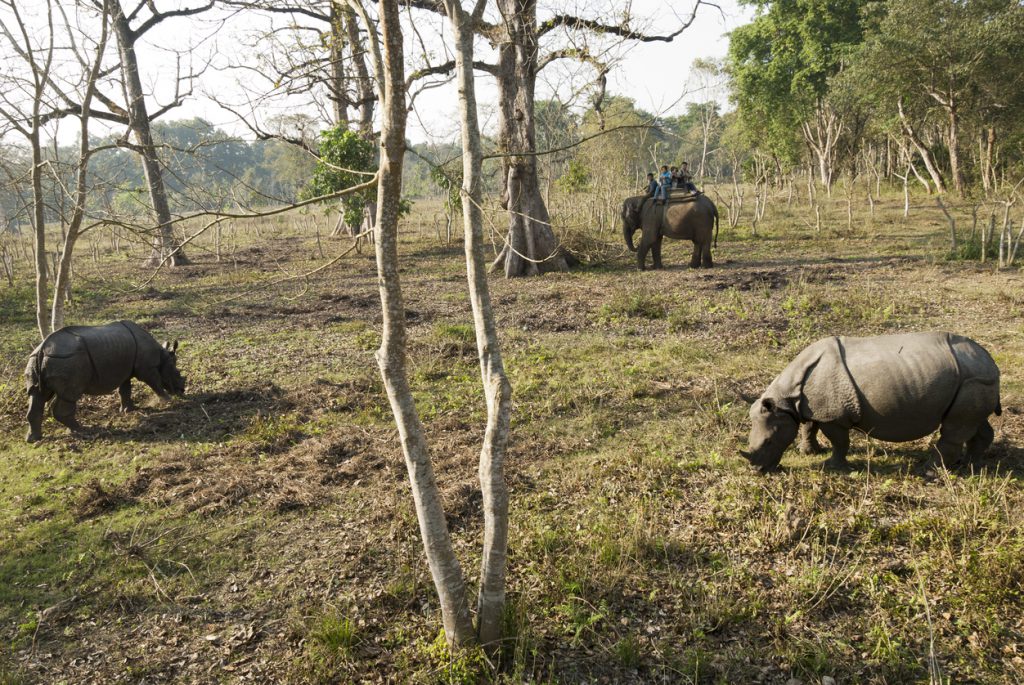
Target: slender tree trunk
<point x="531" y="247"/>
<point x="922" y="150"/>
<point x="988" y="143"/>
<point x="956" y="171"/>
<point x="497" y="389"/>
<point x="821" y="135"/>
<point x="165" y="249"/>
<point x="39" y="219"/>
<point x="338" y="91"/>
<point x="62" y="284"/>
<point x="444" y="566"/>
<point x="364" y="82"/>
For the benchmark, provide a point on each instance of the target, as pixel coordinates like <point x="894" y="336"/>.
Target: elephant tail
<point x="716" y="228"/>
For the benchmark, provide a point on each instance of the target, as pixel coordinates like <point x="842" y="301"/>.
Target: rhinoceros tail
<point x="999" y="407"/>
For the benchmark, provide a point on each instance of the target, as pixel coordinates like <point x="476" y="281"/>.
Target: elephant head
<point x="631" y="218"/>
<point x="774" y="424"/>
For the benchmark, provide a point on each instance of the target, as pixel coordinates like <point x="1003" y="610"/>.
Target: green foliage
<point x="780" y="65"/>
<point x="575" y="178"/>
<point x="638" y="304"/>
<point x="346" y="159"/>
<point x="627" y="651"/>
<point x="971" y="250"/>
<point x="449" y="179"/>
<point x="466" y="666"/>
<point x="335" y="634"/>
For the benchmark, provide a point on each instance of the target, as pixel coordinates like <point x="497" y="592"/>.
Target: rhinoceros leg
<point x="809" y="439"/>
<point x="967" y="420"/>
<point x="36" y="404"/>
<point x="125" y="391"/>
<point x="981" y="441"/>
<point x="64" y="411"/>
<point x="840" y="439"/>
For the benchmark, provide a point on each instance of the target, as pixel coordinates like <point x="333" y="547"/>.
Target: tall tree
<point x="928" y="61"/>
<point x="391" y="357"/>
<point x="780" y="65"/>
<point x="28" y="119"/>
<point x="531" y="247"/>
<point x="91" y="74"/>
<point x="497" y="389"/>
<point x="165" y="248"/>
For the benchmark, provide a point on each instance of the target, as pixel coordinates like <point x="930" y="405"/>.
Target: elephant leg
<point x="981" y="441"/>
<point x="695" y="257"/>
<point x="36" y="404"/>
<point x="840" y="439"/>
<point x="125" y="391"/>
<point x="656" y="253"/>
<point x="646" y="243"/>
<point x="809" y="439"/>
<point x="705" y="255"/>
<point x="64" y="412"/>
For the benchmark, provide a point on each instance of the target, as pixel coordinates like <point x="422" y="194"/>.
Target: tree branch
<point x="622" y="30"/>
<point x="160" y="16"/>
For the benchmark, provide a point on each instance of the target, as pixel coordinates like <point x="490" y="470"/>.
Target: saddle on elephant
<point x="681" y="195"/>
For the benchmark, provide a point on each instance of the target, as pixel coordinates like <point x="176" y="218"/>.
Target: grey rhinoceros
<point x="94" y="360"/>
<point x="892" y="387"/>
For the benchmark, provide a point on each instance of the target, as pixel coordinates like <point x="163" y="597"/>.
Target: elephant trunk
<point x="628" y="232"/>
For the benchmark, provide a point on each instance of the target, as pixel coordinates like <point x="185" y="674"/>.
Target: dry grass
<point x="260" y="528"/>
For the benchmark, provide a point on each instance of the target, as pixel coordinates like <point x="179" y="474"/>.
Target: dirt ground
<point x="260" y="528"/>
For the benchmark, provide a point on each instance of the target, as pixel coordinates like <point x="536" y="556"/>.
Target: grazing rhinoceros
<point x="892" y="387"/>
<point x="94" y="360"/>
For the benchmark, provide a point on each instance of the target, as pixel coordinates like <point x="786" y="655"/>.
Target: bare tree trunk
<point x="338" y="91"/>
<point x="444" y="566"/>
<point x="956" y="171"/>
<point x="364" y="82"/>
<point x="988" y="176"/>
<point x="39" y="219"/>
<point x="922" y="150"/>
<point x="62" y="285"/>
<point x="497" y="389"/>
<point x="822" y="135"/>
<point x="531" y="247"/>
<point x="40" y="77"/>
<point x="164" y="248"/>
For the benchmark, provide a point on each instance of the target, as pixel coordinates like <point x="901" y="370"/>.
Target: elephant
<point x="690" y="219"/>
<point x="894" y="388"/>
<point x="95" y="360"/>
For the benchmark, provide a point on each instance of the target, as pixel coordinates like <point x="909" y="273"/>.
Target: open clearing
<point x="260" y="529"/>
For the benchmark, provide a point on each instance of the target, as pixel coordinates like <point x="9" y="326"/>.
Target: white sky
<point x="656" y="75"/>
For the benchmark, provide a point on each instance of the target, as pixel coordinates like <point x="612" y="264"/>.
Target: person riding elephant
<point x="694" y="219"/>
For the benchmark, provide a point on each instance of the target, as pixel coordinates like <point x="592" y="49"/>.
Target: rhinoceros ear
<point x="174" y="347"/>
<point x="783" y="405"/>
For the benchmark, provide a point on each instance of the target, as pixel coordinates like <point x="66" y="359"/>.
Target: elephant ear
<point x="828" y="393"/>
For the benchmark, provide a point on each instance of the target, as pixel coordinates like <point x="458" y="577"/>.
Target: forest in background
<point x="865" y="91"/>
